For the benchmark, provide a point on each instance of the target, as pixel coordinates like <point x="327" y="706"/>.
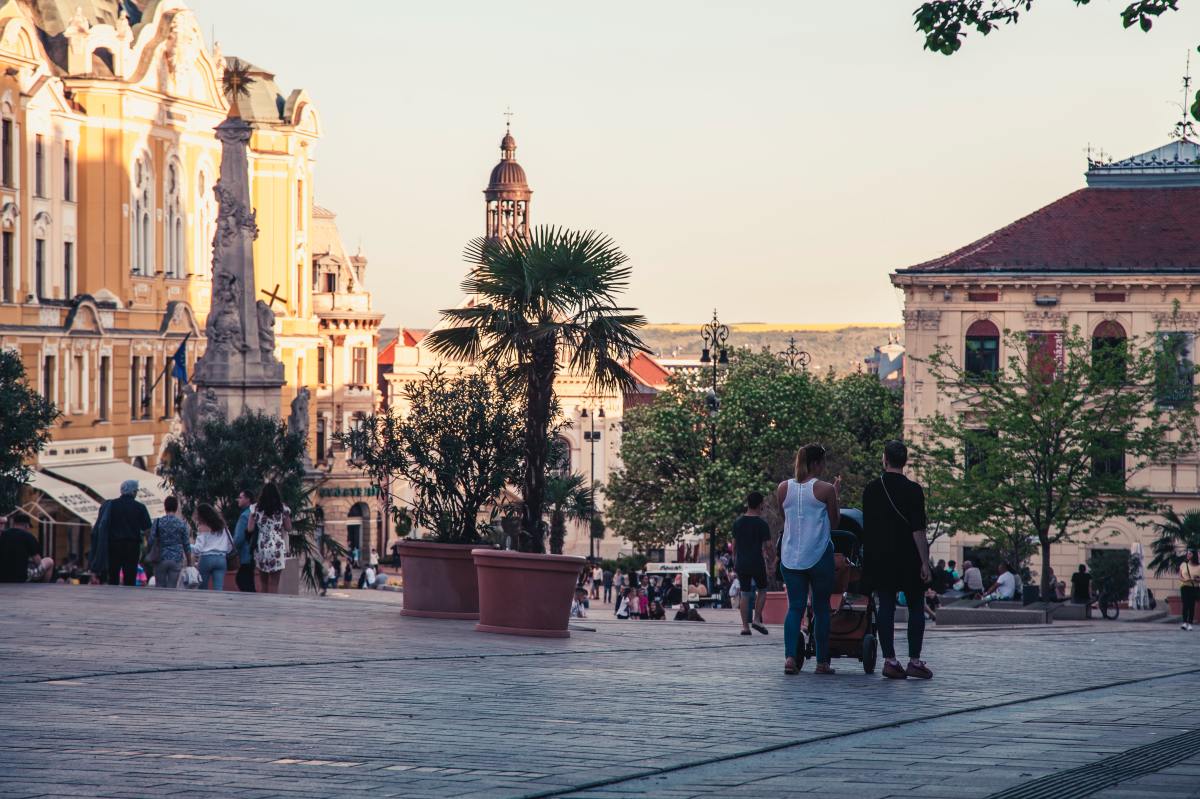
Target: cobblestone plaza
<point x="224" y="695"/>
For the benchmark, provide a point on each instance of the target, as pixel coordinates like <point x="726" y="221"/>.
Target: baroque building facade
<point x="108" y="160"/>
<point x="1114" y="259"/>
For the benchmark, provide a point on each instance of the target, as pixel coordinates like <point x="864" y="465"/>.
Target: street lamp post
<point x="793" y="357"/>
<point x="715" y="335"/>
<point x="592" y="436"/>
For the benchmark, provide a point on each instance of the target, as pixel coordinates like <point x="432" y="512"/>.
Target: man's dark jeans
<point x="245" y="577"/>
<point x="914" y="594"/>
<point x="123" y="557"/>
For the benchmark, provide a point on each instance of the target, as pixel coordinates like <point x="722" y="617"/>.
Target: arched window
<point x="141" y="209"/>
<point x="173" y="230"/>
<point x="206" y="216"/>
<point x="1109" y="352"/>
<point x="982" y="349"/>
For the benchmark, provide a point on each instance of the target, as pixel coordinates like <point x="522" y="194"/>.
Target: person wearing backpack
<point x="896" y="558"/>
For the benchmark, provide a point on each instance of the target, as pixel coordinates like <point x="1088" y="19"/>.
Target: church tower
<point x="508" y="194"/>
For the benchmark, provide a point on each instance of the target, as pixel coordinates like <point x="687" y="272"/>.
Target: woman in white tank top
<point x="810" y="512"/>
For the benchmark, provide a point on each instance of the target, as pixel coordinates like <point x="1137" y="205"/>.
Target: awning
<point x="105" y="478"/>
<point x="73" y="499"/>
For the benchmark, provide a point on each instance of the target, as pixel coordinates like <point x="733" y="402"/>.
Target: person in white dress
<point x="810" y="512"/>
<point x="269" y="527"/>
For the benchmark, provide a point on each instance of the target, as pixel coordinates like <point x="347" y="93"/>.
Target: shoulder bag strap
<point x="887" y="494"/>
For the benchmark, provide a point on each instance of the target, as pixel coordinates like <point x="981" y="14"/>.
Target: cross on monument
<point x="274" y="295"/>
<point x="508" y="115"/>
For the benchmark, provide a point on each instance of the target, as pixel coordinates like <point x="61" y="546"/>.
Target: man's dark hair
<point x="1082" y="568"/>
<point x="249" y="494"/>
<point x="754" y="500"/>
<point x="19" y="519"/>
<point x="170" y="504"/>
<point x="895" y="453"/>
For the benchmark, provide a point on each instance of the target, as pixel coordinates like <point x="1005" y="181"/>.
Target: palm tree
<point x="542" y="303"/>
<point x="1175" y="536"/>
<point x="567" y="498"/>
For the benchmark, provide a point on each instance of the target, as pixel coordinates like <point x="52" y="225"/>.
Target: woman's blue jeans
<point x="212" y="568"/>
<point x="819" y="579"/>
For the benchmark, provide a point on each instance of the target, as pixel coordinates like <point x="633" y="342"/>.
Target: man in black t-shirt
<point x="1081" y="586"/>
<point x="21" y="558"/>
<point x="896" y="558"/>
<point x="751" y="535"/>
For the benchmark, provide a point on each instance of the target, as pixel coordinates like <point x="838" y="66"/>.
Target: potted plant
<point x="1176" y="535"/>
<point x="544" y="302"/>
<point x="456" y="447"/>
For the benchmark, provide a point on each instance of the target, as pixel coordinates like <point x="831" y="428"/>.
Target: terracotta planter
<point x="525" y="594"/>
<point x="775" y="609"/>
<point x="439" y="580"/>
<point x="1176" y="604"/>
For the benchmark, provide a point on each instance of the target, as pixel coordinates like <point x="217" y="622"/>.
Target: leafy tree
<point x="457" y="446"/>
<point x="568" y="498"/>
<point x="1176" y="535"/>
<point x="215" y="462"/>
<point x="25" y="428"/>
<point x="541" y="304"/>
<point x="669" y="484"/>
<point x="945" y="23"/>
<point x="1044" y="447"/>
<point x="653" y="497"/>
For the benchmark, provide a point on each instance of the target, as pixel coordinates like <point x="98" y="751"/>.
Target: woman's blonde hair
<point x="807" y="457"/>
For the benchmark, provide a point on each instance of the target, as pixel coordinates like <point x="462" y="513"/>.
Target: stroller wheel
<point x="869" y="653"/>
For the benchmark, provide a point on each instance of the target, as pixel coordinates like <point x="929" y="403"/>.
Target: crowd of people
<point x="129" y="548"/>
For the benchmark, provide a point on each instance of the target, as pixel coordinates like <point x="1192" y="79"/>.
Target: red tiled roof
<point x="412" y="337"/>
<point x="387" y="355"/>
<point x="1090" y="230"/>
<point x="648" y="370"/>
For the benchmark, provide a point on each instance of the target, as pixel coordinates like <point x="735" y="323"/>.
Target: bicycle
<point x="1108" y="602"/>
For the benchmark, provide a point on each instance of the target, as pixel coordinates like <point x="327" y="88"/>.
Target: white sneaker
<point x="1189" y="626"/>
<point x="1183" y="626"/>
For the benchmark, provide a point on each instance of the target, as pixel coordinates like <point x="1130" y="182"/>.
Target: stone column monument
<point x="238" y="371"/>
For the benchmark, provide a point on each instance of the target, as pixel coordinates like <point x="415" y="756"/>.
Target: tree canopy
<point x="1042" y="449"/>
<point x="669" y="483"/>
<point x="945" y="23"/>
<point x="457" y="446"/>
<point x="24" y="426"/>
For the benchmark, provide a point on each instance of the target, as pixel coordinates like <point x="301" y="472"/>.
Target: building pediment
<point x="84" y="317"/>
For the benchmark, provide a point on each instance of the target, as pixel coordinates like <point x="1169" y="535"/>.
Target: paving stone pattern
<point x="140" y="693"/>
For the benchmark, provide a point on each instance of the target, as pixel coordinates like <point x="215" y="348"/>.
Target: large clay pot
<point x="439" y="580"/>
<point x="1175" y="604"/>
<point x="525" y="594"/>
<point x="775" y="609"/>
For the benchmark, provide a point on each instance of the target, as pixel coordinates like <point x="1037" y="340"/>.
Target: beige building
<point x="1112" y="258"/>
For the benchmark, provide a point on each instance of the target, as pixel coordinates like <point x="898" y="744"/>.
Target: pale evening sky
<point x="774" y="159"/>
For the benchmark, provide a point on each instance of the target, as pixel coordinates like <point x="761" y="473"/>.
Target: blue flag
<point x="179" y="369"/>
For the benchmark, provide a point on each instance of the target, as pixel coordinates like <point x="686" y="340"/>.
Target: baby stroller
<point x="852" y="628"/>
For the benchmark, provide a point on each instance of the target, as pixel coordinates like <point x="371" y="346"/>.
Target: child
<point x="643" y="604"/>
<point x="623" y="605"/>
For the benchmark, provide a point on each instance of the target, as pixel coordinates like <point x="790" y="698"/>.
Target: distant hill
<point x="841" y="346"/>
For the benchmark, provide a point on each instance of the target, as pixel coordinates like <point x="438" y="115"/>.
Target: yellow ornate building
<point x="107" y="214"/>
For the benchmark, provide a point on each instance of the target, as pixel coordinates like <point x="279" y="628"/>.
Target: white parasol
<point x="1138" y="598"/>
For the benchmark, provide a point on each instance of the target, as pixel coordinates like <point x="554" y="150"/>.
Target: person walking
<point x="597" y="580"/>
<point x="173" y="537"/>
<point x="1189" y="588"/>
<point x="1081" y="586"/>
<point x="607" y="579"/>
<point x="128" y="523"/>
<point x="271" y="522"/>
<point x="243" y="542"/>
<point x="213" y="545"/>
<point x="751" y="537"/>
<point x="896" y="558"/>
<point x="810" y="511"/>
